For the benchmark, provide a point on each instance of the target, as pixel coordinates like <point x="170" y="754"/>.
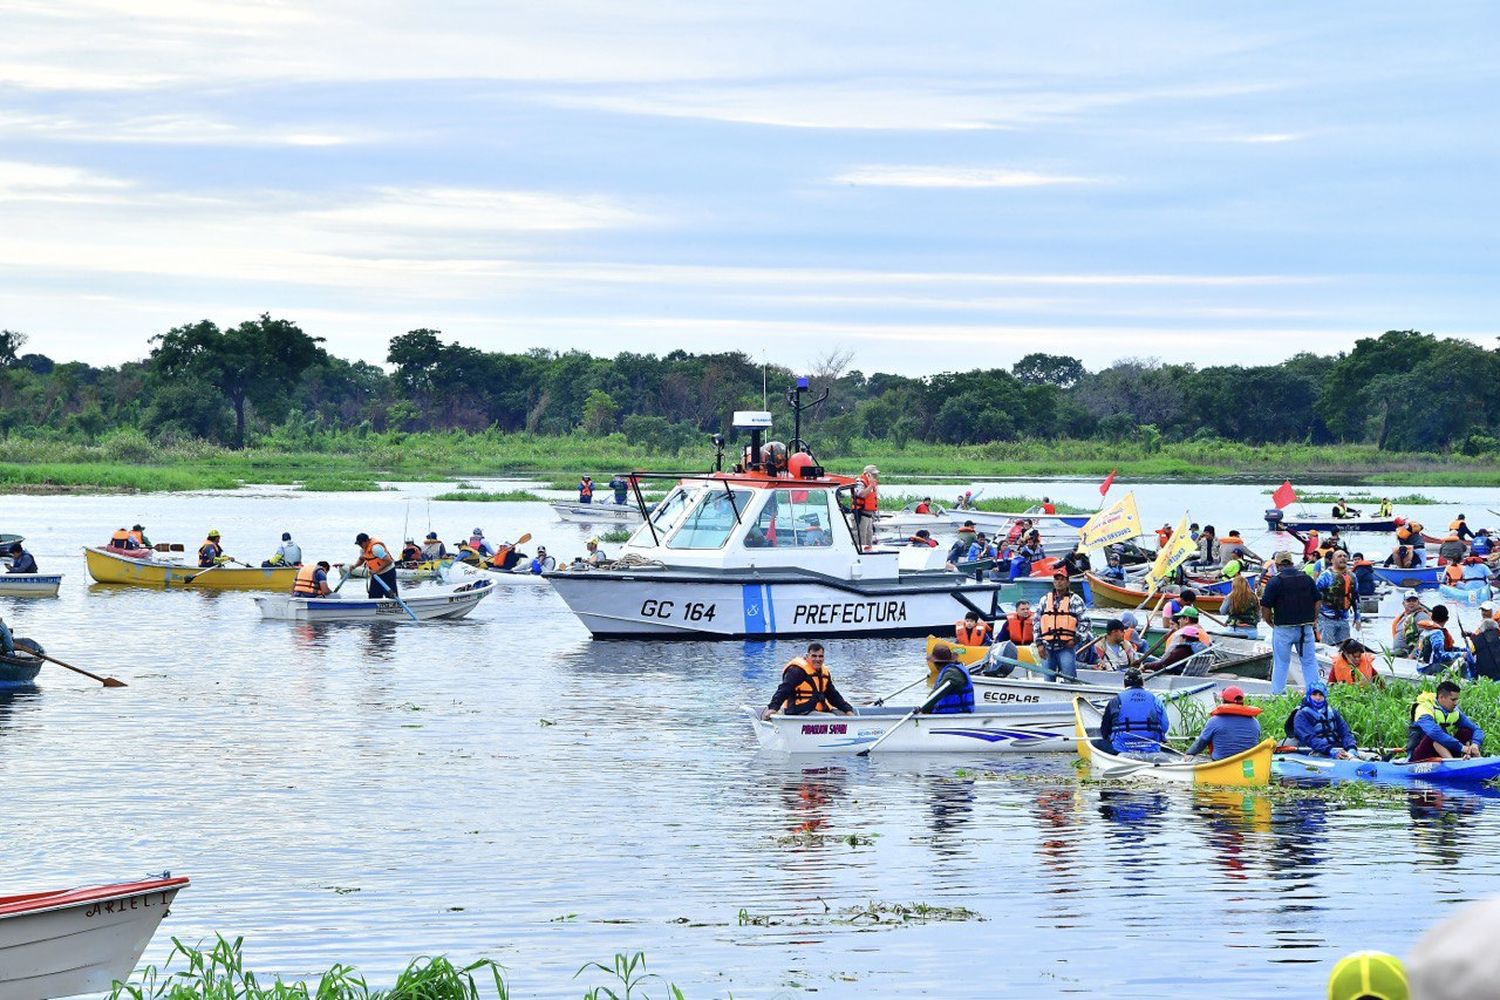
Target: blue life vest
<point x="1019" y="566"/>
<point x="1480" y="546"/>
<point x="962" y="701"/>
<point x="1137" y="727"/>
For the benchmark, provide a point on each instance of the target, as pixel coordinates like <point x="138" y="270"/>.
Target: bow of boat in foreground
<point x="447" y="602"/>
<point x="58" y="944"/>
<point x="30" y="584"/>
<point x="1250" y="769"/>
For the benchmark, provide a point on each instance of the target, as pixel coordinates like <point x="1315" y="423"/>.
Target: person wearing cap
<point x="479" y="545"/>
<point x="1232" y="727"/>
<point x="1114" y="571"/>
<point x="1062" y="626"/>
<point x="382" y="566"/>
<point x="433" y="548"/>
<point x="866" y="503"/>
<point x="1186" y="639"/>
<point x="1338" y="601"/>
<point x="1114" y="652"/>
<point x="1289" y="604"/>
<point x="586" y="490"/>
<point x="1133" y="632"/>
<point x="952" y="688"/>
<point x="288" y="553"/>
<point x="596" y="554"/>
<point x="1352" y="664"/>
<point x="1318" y="727"/>
<point x="807" y="687"/>
<point x="138" y="532"/>
<point x="1440" y="729"/>
<point x="211" y="553"/>
<point x="1135" y="721"/>
<point x="411" y="553"/>
<point x="1405" y="632"/>
<point x="1487" y="621"/>
<point x="542" y="562"/>
<point x="1376" y="975"/>
<point x="21" y="561"/>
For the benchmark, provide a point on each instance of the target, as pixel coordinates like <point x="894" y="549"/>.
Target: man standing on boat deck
<point x="807" y="687"/>
<point x="1061" y="623"/>
<point x="866" y="503"/>
<point x="381" y="564"/>
<point x="21" y="561"/>
<point x="1290" y="605"/>
<point x="586" y="490"/>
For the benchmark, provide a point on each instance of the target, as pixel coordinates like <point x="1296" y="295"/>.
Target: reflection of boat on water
<point x="760" y="552"/>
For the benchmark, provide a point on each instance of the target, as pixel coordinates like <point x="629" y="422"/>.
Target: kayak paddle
<point x="109" y="682"/>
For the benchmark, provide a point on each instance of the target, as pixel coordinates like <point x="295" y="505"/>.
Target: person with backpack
<point x="1440" y="729"/>
<point x="1339" y="597"/>
<point x="1318" y="727"/>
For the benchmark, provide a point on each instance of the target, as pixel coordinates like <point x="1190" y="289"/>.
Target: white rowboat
<point x="450" y="602"/>
<point x="30" y="584"/>
<point x="604" y="512"/>
<point x="58" y="944"/>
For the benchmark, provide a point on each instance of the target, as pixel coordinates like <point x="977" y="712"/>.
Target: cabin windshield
<point x="669" y="512"/>
<point x="710" y="523"/>
<point x="792" y="519"/>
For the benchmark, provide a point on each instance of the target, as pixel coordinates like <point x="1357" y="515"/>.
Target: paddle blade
<point x="112" y="682"/>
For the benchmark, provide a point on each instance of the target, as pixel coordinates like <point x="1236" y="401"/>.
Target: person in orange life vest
<point x="925" y="507"/>
<point x="866" y="503"/>
<point x="1232" y="727"/>
<point x="211" y="553"/>
<point x="1460" y="527"/>
<point x="1018" y="627"/>
<point x="1352" y="664"/>
<point x="312" y="581"/>
<point x="586" y="490"/>
<point x="382" y="566"/>
<point x="411" y="552"/>
<point x="971" y="631"/>
<point x="923" y="538"/>
<point x="122" y="539"/>
<point x="807" y="687"/>
<point x="1062" y="626"/>
<point x="138" y="533"/>
<point x="1163" y="536"/>
<point x="1048" y="507"/>
<point x="1410" y="533"/>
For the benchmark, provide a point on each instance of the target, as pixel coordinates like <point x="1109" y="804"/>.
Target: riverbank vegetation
<point x="1379" y="715"/>
<point x="263" y="402"/>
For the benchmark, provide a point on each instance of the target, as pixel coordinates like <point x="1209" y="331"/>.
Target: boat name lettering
<point x="692" y="611"/>
<point x="1012" y="698"/>
<point x="824" y="728"/>
<point x="121" y="905"/>
<point x="851" y="613"/>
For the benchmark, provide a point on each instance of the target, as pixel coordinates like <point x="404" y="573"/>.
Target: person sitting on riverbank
<point x="1352" y="664"/>
<point x="971" y="630"/>
<point x="312" y="581"/>
<point x="1135" y="721"/>
<point x="807" y="687"/>
<point x="1232" y="727"/>
<point x="433" y="548"/>
<point x="952" y="688"/>
<point x="288" y="553"/>
<point x="1318" y="727"/>
<point x="1439" y="729"/>
<point x="211" y="553"/>
<point x="21" y="561"/>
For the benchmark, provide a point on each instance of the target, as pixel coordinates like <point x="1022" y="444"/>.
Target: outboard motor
<point x="1273" y="517"/>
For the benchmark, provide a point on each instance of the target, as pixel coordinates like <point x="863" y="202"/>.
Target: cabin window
<point x="664" y="516"/>
<point x="709" y="525"/>
<point x="792" y="519"/>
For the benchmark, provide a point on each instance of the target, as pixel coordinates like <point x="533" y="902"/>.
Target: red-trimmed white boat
<point x="71" y="941"/>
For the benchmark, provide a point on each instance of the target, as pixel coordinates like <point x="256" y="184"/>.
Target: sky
<point x="932" y="187"/>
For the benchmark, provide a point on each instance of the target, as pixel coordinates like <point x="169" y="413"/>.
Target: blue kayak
<point x="1416" y="578"/>
<point x="1456" y="771"/>
<point x="1470" y="593"/>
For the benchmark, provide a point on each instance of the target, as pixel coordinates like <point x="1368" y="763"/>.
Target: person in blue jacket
<point x="952" y="688"/>
<point x="1135" y="719"/>
<point x="1439" y="728"/>
<point x="1318" y="726"/>
<point x="1232" y="727"/>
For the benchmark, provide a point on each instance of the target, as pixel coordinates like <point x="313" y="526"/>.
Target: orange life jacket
<point x="919" y="540"/>
<point x="1059" y="624"/>
<point x="1455" y="526"/>
<point x="977" y="636"/>
<point x="1340" y="594"/>
<point x="119" y="538"/>
<point x="813" y="689"/>
<point x="410" y="553"/>
<point x="585" y="488"/>
<point x="305" y="585"/>
<point x="866" y="500"/>
<point x="139" y="538"/>
<point x="375" y="565"/>
<point x="923" y="508"/>
<point x="1163" y="536"/>
<point x="1049" y="508"/>
<point x="1020" y="631"/>
<point x="1408" y="531"/>
<point x="1454" y="572"/>
<point x="501" y="554"/>
<point x="1340" y="672"/>
<point x="1230" y="708"/>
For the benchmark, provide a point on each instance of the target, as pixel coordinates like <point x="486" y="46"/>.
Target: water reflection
<point x="1442" y="822"/>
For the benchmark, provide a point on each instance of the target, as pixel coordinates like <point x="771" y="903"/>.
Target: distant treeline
<point x="1402" y="391"/>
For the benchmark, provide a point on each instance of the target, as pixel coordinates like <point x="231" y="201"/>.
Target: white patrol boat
<point x="761" y="552"/>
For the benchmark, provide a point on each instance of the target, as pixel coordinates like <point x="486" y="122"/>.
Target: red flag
<point x="1284" y="495"/>
<point x="1109" y="481"/>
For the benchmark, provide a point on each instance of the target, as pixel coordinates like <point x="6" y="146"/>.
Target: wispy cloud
<point x="953" y="177"/>
<point x="1266" y="138"/>
<point x="174" y="129"/>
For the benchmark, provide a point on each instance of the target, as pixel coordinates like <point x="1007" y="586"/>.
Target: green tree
<point x="11" y="343"/>
<point x="1049" y="369"/>
<point x="601" y="414"/>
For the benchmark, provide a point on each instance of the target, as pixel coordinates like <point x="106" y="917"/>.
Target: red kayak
<point x="57" y="944"/>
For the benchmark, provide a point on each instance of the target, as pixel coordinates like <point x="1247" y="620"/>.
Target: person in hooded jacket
<point x="1134" y="720"/>
<point x="1232" y="727"/>
<point x="1319" y="727"/>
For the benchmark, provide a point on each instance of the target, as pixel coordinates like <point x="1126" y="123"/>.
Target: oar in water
<point x="404" y="606"/>
<point x="109" y="682"/>
<point x="195" y="576"/>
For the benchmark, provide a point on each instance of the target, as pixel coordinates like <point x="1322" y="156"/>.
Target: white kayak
<point x="30" y="584"/>
<point x="447" y="602"/>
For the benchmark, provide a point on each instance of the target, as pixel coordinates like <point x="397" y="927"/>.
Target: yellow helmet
<point x="1368" y="974"/>
<point x="213" y="533"/>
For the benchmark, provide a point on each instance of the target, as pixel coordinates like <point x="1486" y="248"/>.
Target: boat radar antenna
<point x="794" y="400"/>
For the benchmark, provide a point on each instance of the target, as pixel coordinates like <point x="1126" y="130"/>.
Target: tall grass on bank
<point x="1380" y="716"/>
<point x="508" y="496"/>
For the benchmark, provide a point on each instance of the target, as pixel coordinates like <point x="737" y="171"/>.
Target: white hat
<point x="1488" y="606"/>
<point x="870" y="470"/>
<point x="1457" y="958"/>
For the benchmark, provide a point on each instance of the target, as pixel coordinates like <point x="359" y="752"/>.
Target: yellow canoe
<point x="106" y="567"/>
<point x="970" y="655"/>
<point x="1251" y="769"/>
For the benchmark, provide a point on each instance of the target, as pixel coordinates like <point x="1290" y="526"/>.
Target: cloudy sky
<point x="933" y="186"/>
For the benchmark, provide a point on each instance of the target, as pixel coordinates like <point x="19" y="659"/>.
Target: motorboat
<point x="603" y="512"/>
<point x="424" y="605"/>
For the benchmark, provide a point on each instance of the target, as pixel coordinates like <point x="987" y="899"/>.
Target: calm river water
<point x="367" y="794"/>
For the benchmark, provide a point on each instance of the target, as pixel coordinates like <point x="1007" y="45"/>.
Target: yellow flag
<point x="1174" y="553"/>
<point x="1118" y="522"/>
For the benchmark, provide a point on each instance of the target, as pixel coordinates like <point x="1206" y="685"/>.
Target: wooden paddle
<point x="195" y="576"/>
<point x="887" y="734"/>
<point x="109" y="682"/>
